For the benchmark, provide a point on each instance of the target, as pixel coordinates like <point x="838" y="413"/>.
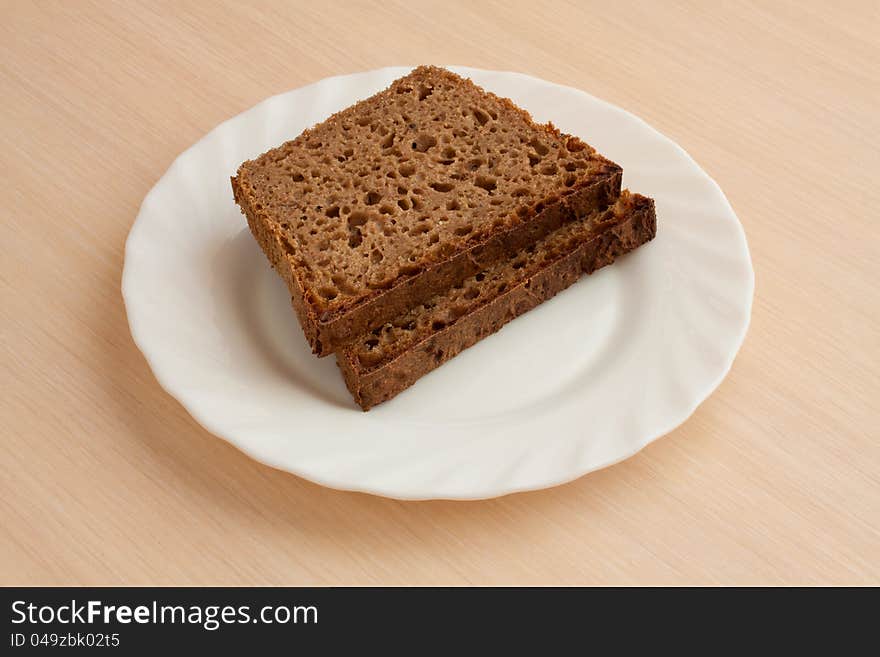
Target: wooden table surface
<point x="105" y="479"/>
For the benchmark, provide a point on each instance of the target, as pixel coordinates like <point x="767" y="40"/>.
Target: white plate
<point x="583" y="381"/>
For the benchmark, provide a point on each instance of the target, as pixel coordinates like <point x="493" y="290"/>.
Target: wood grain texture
<point x="104" y="478"/>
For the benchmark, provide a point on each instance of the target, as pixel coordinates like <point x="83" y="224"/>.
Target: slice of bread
<point x="383" y="362"/>
<point x="406" y="194"/>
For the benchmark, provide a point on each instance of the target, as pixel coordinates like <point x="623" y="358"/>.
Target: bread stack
<point x="413" y="224"/>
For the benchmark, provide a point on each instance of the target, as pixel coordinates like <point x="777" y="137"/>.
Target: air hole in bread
<point x="482" y="117"/>
<point x="288" y="247"/>
<point x="343" y="285"/>
<point x="357" y="218"/>
<point x="485" y="182"/>
<point x="423" y="142"/>
<point x="420" y="229"/>
<point x="539" y="147"/>
<point x="328" y="292"/>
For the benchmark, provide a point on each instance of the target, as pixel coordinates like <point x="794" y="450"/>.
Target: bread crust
<point x="373" y="386"/>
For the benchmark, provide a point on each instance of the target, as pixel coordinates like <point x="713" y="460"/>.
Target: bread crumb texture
<point x="405" y="179"/>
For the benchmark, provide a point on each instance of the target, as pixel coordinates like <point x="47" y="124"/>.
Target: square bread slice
<point x="383" y="362"/>
<point x="405" y="194"/>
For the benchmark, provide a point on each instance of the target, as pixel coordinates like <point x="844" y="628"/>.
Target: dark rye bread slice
<point x="407" y="193"/>
<point x="382" y="363"/>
